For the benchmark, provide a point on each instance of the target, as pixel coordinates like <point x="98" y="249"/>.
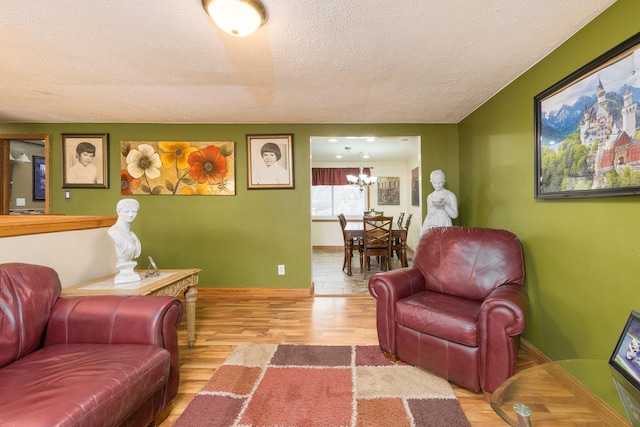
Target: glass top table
<point x="567" y="392"/>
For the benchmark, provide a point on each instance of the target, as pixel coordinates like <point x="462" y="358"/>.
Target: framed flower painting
<point x="179" y="168"/>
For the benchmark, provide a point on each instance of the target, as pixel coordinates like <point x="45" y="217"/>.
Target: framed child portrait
<point x="270" y="161"/>
<point x="85" y="160"/>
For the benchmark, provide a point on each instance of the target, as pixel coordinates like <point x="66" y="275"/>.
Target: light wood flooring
<point x="226" y="318"/>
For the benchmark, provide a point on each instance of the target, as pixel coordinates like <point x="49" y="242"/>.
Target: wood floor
<point x="226" y="318"/>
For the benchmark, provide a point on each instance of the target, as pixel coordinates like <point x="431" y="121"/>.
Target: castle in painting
<point x="613" y="144"/>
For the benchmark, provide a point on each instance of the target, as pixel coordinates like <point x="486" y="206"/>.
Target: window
<point x="331" y="200"/>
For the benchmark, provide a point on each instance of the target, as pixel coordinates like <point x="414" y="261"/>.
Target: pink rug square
<point x="301" y="397"/>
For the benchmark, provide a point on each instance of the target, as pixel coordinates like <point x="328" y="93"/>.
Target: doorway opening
<point x="395" y="163"/>
<point x="24" y="182"/>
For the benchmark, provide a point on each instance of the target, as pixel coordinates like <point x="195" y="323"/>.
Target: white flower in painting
<point x="143" y="161"/>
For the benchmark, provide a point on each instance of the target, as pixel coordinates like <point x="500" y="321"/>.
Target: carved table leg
<point x="348" y="249"/>
<point x="191" y="296"/>
<point x="403" y="253"/>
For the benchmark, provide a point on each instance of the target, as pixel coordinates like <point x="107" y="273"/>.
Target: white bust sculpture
<point x="127" y="244"/>
<point x="442" y="205"/>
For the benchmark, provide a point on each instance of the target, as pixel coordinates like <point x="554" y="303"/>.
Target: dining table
<point x="356" y="230"/>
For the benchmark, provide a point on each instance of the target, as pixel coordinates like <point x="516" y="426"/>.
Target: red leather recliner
<point x="459" y="310"/>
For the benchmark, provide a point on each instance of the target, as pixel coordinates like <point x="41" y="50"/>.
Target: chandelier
<point x="362" y="180"/>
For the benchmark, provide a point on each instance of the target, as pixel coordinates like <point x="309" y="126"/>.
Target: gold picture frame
<point x="177" y="168"/>
<point x="270" y="161"/>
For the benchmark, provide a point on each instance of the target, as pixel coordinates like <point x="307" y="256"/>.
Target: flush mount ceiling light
<point x="236" y="17"/>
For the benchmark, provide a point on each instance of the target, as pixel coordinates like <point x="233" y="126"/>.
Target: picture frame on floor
<point x="625" y="358"/>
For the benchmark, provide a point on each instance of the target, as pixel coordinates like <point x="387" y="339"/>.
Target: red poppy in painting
<point x="208" y="165"/>
<point x="128" y="184"/>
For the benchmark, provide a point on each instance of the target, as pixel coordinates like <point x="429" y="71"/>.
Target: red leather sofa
<point x="459" y="310"/>
<point x="83" y="361"/>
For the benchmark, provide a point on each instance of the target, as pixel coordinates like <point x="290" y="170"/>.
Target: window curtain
<point x="334" y="176"/>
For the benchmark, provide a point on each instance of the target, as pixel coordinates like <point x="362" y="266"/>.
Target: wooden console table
<point x="169" y="283"/>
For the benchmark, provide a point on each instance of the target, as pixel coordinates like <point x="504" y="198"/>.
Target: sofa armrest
<point x="387" y="288"/>
<point x="151" y="320"/>
<point x="502" y="320"/>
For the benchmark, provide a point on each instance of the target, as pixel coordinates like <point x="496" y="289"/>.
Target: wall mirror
<point x="24" y="182"/>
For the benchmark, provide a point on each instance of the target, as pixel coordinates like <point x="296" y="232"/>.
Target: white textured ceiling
<point x="315" y="61"/>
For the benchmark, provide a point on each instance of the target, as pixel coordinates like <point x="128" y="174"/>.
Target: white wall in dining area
<point x="328" y="232"/>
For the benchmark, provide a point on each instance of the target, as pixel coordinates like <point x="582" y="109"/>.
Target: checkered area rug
<point x="263" y="385"/>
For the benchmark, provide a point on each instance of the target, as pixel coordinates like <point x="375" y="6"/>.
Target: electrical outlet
<point x="67" y="195"/>
<point x="281" y="269"/>
<point x="22" y="202"/>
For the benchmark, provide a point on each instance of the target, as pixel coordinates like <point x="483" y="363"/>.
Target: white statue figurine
<point x="127" y="244"/>
<point x="442" y="205"/>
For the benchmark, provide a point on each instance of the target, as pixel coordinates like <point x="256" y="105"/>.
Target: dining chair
<point x="343" y="223"/>
<point x="376" y="241"/>
<point x="407" y="223"/>
<point x="397" y="242"/>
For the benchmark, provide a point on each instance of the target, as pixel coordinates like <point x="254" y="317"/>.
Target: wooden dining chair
<point x="354" y="244"/>
<point x="376" y="241"/>
<point x="396" y="240"/>
<point x="407" y="223"/>
<point x="397" y="243"/>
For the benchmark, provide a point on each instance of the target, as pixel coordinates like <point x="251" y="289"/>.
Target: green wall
<point x="237" y="241"/>
<point x="582" y="255"/>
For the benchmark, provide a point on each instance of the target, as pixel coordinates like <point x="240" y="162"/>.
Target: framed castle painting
<point x="587" y="142"/>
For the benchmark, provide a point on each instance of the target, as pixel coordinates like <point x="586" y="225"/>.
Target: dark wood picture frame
<point x="278" y="151"/>
<point x="625" y="358"/>
<point x="39" y="178"/>
<point x="587" y="142"/>
<point x="415" y="187"/>
<point x="96" y="174"/>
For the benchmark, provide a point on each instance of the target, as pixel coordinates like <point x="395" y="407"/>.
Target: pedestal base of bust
<point x="126" y="274"/>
